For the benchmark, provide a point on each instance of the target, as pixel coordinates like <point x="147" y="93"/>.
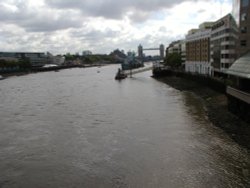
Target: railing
<point x="138" y="70"/>
<point x="239" y="94"/>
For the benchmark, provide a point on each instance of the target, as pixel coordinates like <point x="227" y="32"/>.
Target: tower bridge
<point x="161" y="50"/>
<point x="151" y="49"/>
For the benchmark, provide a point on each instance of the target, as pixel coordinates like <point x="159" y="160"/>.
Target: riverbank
<point x="216" y="108"/>
<point x="40" y="69"/>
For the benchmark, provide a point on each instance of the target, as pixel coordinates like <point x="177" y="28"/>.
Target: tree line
<point x="22" y="63"/>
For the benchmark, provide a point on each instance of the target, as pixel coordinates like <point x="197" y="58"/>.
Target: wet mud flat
<point x="216" y="108"/>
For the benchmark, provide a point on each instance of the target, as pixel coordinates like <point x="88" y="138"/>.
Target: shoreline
<point x="215" y="104"/>
<point x="50" y="69"/>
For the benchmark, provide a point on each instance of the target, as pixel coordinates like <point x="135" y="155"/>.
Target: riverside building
<point x="36" y="58"/>
<point x="179" y="47"/>
<point x="239" y="72"/>
<point x="198" y="49"/>
<point x="224" y="36"/>
<point x="174" y="47"/>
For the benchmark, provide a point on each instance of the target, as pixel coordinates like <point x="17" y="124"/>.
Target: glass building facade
<point x="241" y="13"/>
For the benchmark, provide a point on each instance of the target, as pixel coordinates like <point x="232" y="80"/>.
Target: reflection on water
<point x="80" y="128"/>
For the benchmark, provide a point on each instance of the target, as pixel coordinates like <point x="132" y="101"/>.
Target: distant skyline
<point x="62" y="26"/>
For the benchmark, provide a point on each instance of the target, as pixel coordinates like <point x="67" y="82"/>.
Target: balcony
<point x="223" y="60"/>
<point x="232" y="51"/>
<point x="223" y="43"/>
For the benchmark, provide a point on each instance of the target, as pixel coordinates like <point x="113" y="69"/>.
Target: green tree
<point x="4" y="63"/>
<point x="69" y="57"/>
<point x="87" y="59"/>
<point x="173" y="60"/>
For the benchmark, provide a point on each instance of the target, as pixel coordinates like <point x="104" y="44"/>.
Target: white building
<point x="223" y="43"/>
<point x="174" y="47"/>
<point x="179" y="47"/>
<point x="57" y="60"/>
<point x="183" y="50"/>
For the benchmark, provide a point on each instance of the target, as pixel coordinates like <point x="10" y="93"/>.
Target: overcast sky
<point x="62" y="26"/>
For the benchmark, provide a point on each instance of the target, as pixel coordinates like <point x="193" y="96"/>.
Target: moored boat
<point x="1" y="77"/>
<point x="131" y="62"/>
<point x="120" y="75"/>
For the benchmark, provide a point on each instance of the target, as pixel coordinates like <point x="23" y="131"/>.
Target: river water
<point x="82" y="128"/>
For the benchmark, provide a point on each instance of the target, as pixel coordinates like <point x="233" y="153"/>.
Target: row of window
<point x="243" y="42"/>
<point x="222" y="32"/>
<point x="220" y="40"/>
<point x="243" y="16"/>
<point x="226" y="47"/>
<point x="225" y="65"/>
<point x="243" y="29"/>
<point x="228" y="56"/>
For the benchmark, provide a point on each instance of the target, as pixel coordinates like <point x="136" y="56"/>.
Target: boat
<point x="120" y="75"/>
<point x="130" y="62"/>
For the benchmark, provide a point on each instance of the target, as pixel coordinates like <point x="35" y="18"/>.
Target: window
<point x="243" y="29"/>
<point x="244" y="3"/>
<point x="243" y="43"/>
<point x="243" y="17"/>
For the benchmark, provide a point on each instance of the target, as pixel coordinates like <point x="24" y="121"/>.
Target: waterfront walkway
<point x="147" y="67"/>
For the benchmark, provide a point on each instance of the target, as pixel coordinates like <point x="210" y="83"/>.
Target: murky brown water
<point x="80" y="128"/>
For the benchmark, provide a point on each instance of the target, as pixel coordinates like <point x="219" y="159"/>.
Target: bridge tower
<point x="140" y="51"/>
<point x="162" y="51"/>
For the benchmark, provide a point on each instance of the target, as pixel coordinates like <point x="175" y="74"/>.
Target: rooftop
<point x="241" y="67"/>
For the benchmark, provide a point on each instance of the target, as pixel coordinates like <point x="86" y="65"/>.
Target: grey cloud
<point x="107" y="9"/>
<point x="94" y="34"/>
<point x="39" y="20"/>
<point x="139" y="16"/>
<point x="5" y="34"/>
<point x="45" y="24"/>
<point x="78" y="30"/>
<point x="114" y="9"/>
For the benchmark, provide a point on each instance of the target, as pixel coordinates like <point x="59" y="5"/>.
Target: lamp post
<point x="130" y="66"/>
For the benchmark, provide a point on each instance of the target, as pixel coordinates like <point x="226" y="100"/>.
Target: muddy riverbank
<point x="215" y="104"/>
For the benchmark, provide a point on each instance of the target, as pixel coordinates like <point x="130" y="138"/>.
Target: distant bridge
<point x="161" y="49"/>
<point x="150" y="49"/>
